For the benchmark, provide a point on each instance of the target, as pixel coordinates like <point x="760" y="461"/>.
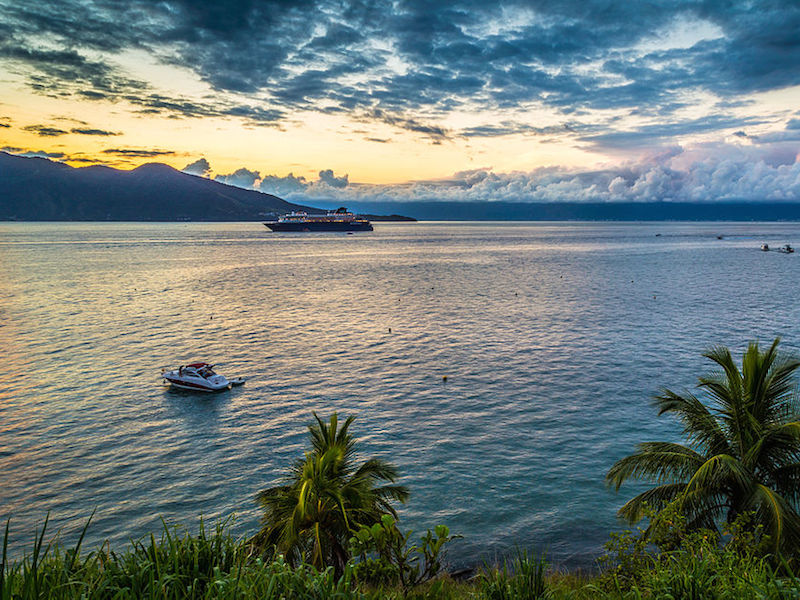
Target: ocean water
<point x="553" y="338"/>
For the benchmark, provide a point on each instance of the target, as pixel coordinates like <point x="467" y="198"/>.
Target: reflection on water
<point x="552" y="337"/>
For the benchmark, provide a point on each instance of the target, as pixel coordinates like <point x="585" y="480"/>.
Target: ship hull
<point x="320" y="226"/>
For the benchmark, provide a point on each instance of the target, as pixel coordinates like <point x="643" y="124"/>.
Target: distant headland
<point x="38" y="189"/>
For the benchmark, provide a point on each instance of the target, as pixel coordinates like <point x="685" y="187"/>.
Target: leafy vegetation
<point x="743" y="454"/>
<point x="177" y="565"/>
<point x="325" y="498"/>
<point x="385" y="557"/>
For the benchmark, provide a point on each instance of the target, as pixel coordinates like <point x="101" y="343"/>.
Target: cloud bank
<point x="705" y="173"/>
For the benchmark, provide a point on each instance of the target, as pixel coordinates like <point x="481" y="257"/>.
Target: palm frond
<point x="658" y="462"/>
<point x="722" y="356"/>
<point x="720" y="471"/>
<point x="376" y="469"/>
<point x="656" y="498"/>
<point x="700" y="425"/>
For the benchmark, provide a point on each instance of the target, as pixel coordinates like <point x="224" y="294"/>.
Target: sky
<point x="570" y="100"/>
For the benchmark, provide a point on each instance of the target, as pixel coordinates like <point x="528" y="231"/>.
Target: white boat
<point x="786" y="249"/>
<point x="199" y="377"/>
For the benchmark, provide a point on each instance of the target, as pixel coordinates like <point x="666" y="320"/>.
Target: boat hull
<point x="195" y="384"/>
<point x="185" y="385"/>
<point x="320" y="226"/>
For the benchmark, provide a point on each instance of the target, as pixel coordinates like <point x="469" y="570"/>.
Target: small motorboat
<point x="786" y="249"/>
<point x="765" y="247"/>
<point x="199" y="377"/>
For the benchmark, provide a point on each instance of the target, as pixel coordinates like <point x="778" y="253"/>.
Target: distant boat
<point x="765" y="247"/>
<point x="786" y="249"/>
<point x="340" y="220"/>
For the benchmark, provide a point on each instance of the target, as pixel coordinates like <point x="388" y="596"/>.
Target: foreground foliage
<point x="385" y="555"/>
<point x="177" y="566"/>
<point x="325" y="498"/>
<point x="522" y="578"/>
<point x="743" y="453"/>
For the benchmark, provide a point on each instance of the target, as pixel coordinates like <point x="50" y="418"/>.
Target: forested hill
<point x="37" y="189"/>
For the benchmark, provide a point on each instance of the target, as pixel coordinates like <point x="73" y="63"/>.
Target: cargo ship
<point x="339" y="220"/>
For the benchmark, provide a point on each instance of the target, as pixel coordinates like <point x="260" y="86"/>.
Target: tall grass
<point x="175" y="566"/>
<point x="212" y="564"/>
<point x="522" y="578"/>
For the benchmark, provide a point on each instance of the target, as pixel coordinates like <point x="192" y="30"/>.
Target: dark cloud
<point x="327" y="177"/>
<point x="198" y="167"/>
<point x="408" y="63"/>
<point x="90" y="131"/>
<point x="80" y="159"/>
<point x="135" y="153"/>
<point x="254" y="114"/>
<point x="45" y="131"/>
<point x="434" y="132"/>
<point x="283" y="186"/>
<point x="650" y="136"/>
<point x="65" y="72"/>
<point x="243" y="178"/>
<point x="32" y="153"/>
<point x="512" y="128"/>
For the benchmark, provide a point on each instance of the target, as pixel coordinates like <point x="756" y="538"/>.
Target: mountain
<point x="37" y="189"/>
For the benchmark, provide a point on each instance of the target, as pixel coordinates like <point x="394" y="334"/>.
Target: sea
<point x="502" y="367"/>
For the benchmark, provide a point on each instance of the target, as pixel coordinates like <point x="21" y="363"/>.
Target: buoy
<point x="390" y="330"/>
<point x="444" y="378"/>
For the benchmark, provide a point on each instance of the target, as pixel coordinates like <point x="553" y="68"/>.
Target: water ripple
<point x="553" y="338"/>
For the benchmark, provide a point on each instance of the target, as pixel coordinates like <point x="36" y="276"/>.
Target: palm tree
<point x="743" y="453"/>
<point x="325" y="498"/>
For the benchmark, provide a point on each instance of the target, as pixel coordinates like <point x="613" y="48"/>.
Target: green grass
<point x="213" y="564"/>
<point x="177" y="565"/>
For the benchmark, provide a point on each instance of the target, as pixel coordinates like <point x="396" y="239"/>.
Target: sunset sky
<point x="568" y="100"/>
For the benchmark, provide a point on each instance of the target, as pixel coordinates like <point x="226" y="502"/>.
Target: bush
<point x="670" y="561"/>
<point x="384" y="556"/>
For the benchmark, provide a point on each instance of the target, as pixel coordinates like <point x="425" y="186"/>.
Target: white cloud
<point x="745" y="174"/>
<point x="703" y="172"/>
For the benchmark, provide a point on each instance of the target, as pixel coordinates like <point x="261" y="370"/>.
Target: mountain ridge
<point x="39" y="189"/>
